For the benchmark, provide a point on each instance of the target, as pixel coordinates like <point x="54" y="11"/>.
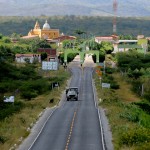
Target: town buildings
<point x="43" y="33"/>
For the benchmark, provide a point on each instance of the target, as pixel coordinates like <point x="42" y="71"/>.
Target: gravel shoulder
<point x="36" y="128"/>
<point x="107" y="134"/>
<point x="41" y="122"/>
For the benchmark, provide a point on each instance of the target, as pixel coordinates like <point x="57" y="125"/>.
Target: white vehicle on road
<point x="72" y="93"/>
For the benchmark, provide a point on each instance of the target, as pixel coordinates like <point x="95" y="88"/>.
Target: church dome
<point x="46" y="26"/>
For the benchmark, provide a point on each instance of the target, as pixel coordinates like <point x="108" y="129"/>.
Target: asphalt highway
<point x="74" y="125"/>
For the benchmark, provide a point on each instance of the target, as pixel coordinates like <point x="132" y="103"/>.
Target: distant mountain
<point x="73" y="7"/>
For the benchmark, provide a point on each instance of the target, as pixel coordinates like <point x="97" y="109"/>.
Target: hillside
<point x="99" y="26"/>
<point x="70" y="7"/>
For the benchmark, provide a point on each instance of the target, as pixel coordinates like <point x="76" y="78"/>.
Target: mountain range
<point x="74" y="7"/>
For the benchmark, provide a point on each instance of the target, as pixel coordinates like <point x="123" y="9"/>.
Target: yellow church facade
<point x="45" y="33"/>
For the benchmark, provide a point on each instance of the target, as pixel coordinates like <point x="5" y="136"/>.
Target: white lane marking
<point x="100" y="121"/>
<point x="93" y="87"/>
<point x="42" y="129"/>
<point x="99" y="116"/>
<point x="50" y="116"/>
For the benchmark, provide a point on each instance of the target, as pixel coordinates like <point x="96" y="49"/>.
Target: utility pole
<point x="115" y="6"/>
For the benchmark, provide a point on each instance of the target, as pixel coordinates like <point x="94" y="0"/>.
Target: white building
<point x="20" y="58"/>
<point x="99" y="39"/>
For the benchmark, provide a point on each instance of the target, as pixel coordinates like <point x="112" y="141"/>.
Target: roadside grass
<point x="124" y="92"/>
<point x="15" y="128"/>
<point x="129" y="124"/>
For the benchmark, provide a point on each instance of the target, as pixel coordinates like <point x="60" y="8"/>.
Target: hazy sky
<point x="74" y="7"/>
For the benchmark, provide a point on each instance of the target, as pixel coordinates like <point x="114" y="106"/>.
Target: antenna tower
<point x="115" y="6"/>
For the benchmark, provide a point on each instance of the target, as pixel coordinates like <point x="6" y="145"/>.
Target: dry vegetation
<point x="115" y="103"/>
<point x="15" y="128"/>
<point x="124" y="92"/>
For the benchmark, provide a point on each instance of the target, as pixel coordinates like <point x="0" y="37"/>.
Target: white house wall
<point x="22" y="59"/>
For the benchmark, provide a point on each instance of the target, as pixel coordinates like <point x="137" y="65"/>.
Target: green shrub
<point x="135" y="136"/>
<point x="135" y="114"/>
<point x="1" y="36"/>
<point x="33" y="88"/>
<point x="94" y="58"/>
<point x="109" y="70"/>
<point x="40" y="85"/>
<point x="71" y="56"/>
<point x="3" y="87"/>
<point x="147" y="96"/>
<point x="110" y="78"/>
<point x="136" y="86"/>
<point x="8" y="109"/>
<point x="131" y="113"/>
<point x="3" y="139"/>
<point x="144" y="106"/>
<point x="101" y="57"/>
<point x="107" y="78"/>
<point x="114" y="85"/>
<point x="6" y="40"/>
<point x="43" y="56"/>
<point x="29" y="94"/>
<point x="62" y="58"/>
<point x="144" y="120"/>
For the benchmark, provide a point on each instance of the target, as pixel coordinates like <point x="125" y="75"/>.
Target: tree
<point x="93" y="45"/>
<point x="6" y="40"/>
<point x="79" y="32"/>
<point x="1" y="36"/>
<point x="107" y="47"/>
<point x="15" y="36"/>
<point x="127" y="37"/>
<point x="43" y="44"/>
<point x="43" y="56"/>
<point x="68" y="44"/>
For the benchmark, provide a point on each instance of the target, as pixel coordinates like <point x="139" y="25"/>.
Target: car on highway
<point x="72" y="93"/>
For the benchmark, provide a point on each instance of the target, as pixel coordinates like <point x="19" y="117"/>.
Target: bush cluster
<point x="131" y="112"/>
<point x="136" y="66"/>
<point x="70" y="57"/>
<point x="135" y="114"/>
<point x="135" y="136"/>
<point x="8" y="109"/>
<point x="2" y="139"/>
<point x="107" y="78"/>
<point x="32" y="88"/>
<point x="145" y="106"/>
<point x="101" y="57"/>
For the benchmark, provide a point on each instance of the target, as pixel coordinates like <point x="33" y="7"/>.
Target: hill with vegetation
<point x="98" y="26"/>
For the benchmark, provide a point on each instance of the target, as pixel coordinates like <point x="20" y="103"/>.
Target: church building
<point x="45" y="33"/>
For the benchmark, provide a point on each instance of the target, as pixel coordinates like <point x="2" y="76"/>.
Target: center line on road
<point x="71" y="127"/>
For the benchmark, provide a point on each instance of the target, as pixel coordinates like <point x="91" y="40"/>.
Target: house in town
<point x="51" y="53"/>
<point x="22" y="58"/>
<point x="100" y="39"/>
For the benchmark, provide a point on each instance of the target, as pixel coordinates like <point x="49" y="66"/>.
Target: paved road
<point x="74" y="125"/>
